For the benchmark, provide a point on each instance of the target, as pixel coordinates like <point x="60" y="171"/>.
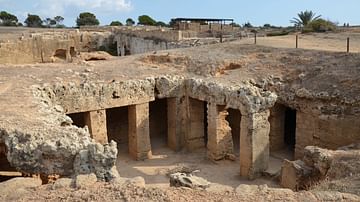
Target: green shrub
<point x="278" y="33"/>
<point x="116" y="23"/>
<point x="319" y="25"/>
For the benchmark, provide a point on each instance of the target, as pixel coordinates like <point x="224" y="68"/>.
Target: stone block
<point x="295" y="175"/>
<point x="96" y="121"/>
<point x="220" y="141"/>
<point x="84" y="181"/>
<point x="254" y="144"/>
<point x="139" y="134"/>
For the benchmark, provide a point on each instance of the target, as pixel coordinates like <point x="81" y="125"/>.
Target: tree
<point x="49" y="22"/>
<point x="161" y="24"/>
<point x="304" y="18"/>
<point x="116" y="23"/>
<point x="234" y="24"/>
<point x="33" y="21"/>
<point x="87" y="19"/>
<point x="7" y="19"/>
<point x="248" y="25"/>
<point x="320" y="25"/>
<point x="130" y="22"/>
<point x="59" y="21"/>
<point x="146" y="20"/>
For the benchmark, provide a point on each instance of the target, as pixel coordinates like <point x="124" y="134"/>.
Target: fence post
<point x="348" y="45"/>
<point x="297" y="41"/>
<point x="255" y="38"/>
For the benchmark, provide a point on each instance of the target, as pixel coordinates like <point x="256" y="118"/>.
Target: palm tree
<point x="304" y="18"/>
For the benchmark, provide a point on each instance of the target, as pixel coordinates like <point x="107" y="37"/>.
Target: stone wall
<point x="195" y="138"/>
<point x="277" y="127"/>
<point x="130" y="45"/>
<point x="324" y="131"/>
<point x="155" y="32"/>
<point x="220" y="142"/>
<point x="44" y="47"/>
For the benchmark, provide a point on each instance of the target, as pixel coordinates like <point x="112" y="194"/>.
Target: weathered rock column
<point x="254" y="144"/>
<point x="96" y="121"/>
<point x="176" y="114"/>
<point x="139" y="135"/>
<point x="68" y="55"/>
<point x="219" y="133"/>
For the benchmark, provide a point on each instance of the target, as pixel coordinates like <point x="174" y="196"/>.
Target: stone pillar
<point x="219" y="133"/>
<point x="68" y="55"/>
<point x="96" y="121"/>
<point x="122" y="50"/>
<point x="195" y="137"/>
<point x="277" y="127"/>
<point x="254" y="144"/>
<point x="176" y="114"/>
<point x="139" y="135"/>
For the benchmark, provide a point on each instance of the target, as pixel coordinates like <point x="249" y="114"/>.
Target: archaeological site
<point x="193" y="113"/>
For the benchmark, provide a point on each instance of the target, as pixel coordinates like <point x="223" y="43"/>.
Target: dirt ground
<point x="165" y="161"/>
<point x="316" y="41"/>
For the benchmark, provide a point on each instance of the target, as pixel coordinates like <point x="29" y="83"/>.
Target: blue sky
<point x="276" y="12"/>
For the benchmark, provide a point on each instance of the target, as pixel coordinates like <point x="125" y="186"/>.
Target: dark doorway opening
<point x="117" y="124"/>
<point x="127" y="50"/>
<point x="234" y="119"/>
<point x="78" y="119"/>
<point x="72" y="51"/>
<point x="60" y="53"/>
<point x="290" y="129"/>
<point x="6" y="170"/>
<point x="158" y="123"/>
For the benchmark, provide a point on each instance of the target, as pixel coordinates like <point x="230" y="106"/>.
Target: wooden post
<point x="221" y="38"/>
<point x="255" y="38"/>
<point x="297" y="41"/>
<point x="348" y="45"/>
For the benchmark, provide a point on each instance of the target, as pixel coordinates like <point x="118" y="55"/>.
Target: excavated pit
<point x="132" y="118"/>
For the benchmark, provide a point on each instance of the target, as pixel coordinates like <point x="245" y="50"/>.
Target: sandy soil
<point x="316" y="41"/>
<point x="166" y="161"/>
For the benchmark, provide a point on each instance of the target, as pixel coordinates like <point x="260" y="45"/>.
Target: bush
<point x="319" y="25"/>
<point x="162" y="24"/>
<point x="278" y="33"/>
<point x="116" y="23"/>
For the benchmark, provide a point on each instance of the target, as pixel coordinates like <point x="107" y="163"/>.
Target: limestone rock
<point x="98" y="55"/>
<point x="98" y="159"/>
<point x="137" y="181"/>
<point x="62" y="183"/>
<point x="295" y="175"/>
<point x="83" y="181"/>
<point x="188" y="180"/>
<point x="318" y="158"/>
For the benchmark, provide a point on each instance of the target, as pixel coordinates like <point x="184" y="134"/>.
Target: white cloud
<point x="108" y="5"/>
<point x="51" y="8"/>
